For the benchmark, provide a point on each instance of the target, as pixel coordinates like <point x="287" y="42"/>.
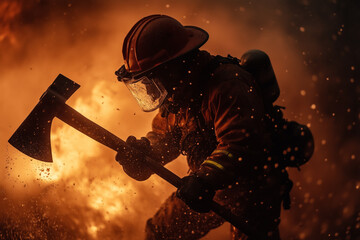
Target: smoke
<point x="84" y="193"/>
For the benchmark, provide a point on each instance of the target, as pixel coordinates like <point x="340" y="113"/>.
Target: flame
<point x="9" y="10"/>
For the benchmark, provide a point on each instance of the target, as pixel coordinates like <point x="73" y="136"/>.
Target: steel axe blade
<point x="33" y="136"/>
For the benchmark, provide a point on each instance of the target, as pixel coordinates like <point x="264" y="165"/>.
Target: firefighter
<point x="212" y="111"/>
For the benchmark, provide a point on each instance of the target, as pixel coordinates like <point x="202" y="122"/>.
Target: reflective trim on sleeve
<point x="227" y="153"/>
<point x="210" y="162"/>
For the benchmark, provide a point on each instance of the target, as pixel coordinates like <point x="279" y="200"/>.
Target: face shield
<point x="146" y="89"/>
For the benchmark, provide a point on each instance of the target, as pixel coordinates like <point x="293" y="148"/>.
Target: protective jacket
<point x="220" y="125"/>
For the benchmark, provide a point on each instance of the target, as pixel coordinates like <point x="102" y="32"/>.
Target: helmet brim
<point x="197" y="38"/>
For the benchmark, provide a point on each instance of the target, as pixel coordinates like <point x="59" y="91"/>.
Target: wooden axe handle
<point x="73" y="118"/>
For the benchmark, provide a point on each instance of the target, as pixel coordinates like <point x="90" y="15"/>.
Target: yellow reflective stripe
<point x="229" y="154"/>
<point x="214" y="164"/>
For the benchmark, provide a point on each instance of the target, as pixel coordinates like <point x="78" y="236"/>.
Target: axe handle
<point x="73" y="118"/>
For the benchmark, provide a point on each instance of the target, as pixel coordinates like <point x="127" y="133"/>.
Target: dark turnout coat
<point x="223" y="126"/>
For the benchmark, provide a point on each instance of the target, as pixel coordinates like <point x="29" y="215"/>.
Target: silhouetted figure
<point x="219" y="112"/>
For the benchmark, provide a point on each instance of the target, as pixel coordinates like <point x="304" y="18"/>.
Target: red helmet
<point x="157" y="39"/>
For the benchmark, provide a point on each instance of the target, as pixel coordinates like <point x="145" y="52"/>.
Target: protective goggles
<point x="146" y="88"/>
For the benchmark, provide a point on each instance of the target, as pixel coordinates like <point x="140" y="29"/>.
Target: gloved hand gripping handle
<point x="220" y="210"/>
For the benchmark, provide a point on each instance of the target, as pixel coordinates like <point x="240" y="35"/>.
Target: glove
<point x="196" y="193"/>
<point x="133" y="162"/>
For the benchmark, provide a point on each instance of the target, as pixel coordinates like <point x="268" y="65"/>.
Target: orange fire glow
<point x="85" y="194"/>
<point x="84" y="186"/>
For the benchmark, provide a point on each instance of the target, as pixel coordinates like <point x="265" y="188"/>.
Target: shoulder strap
<point x="219" y="60"/>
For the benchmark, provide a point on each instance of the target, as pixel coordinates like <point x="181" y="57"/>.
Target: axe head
<point x="33" y="136"/>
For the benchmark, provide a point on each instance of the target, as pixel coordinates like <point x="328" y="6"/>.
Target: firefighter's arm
<point x="236" y="110"/>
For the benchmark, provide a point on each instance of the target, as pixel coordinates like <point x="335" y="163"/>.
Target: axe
<point x="33" y="138"/>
